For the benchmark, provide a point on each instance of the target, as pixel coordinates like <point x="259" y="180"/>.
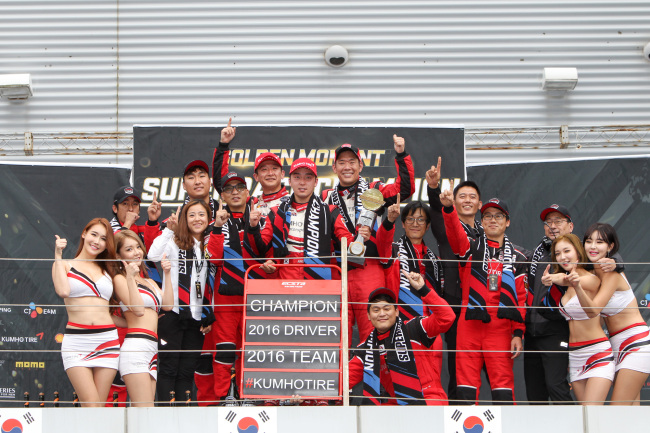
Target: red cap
<point x="555" y="208"/>
<point x="196" y="163"/>
<point x="304" y="162"/>
<point x="381" y="291"/>
<point x="499" y="204"/>
<point x="266" y="156"/>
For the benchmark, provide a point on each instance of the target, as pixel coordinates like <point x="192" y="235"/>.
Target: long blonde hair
<point x="580" y="250"/>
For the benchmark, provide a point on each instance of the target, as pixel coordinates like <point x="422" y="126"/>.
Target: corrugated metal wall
<point x="106" y="65"/>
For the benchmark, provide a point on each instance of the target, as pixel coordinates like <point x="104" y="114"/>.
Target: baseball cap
<point x="382" y="291"/>
<point x="266" y="156"/>
<point x="231" y="176"/>
<point x="555" y="208"/>
<point x="196" y="163"/>
<point x="345" y="147"/>
<point x="125" y="192"/>
<point x="499" y="204"/>
<point x="304" y="162"/>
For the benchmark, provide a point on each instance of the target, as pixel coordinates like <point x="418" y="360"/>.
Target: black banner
<point x="38" y="202"/>
<point x="613" y="191"/>
<point x="161" y="153"/>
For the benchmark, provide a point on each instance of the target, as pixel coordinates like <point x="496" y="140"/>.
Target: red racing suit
<point x="422" y="332"/>
<point x="432" y="273"/>
<point x="299" y="233"/>
<point x="226" y="252"/>
<point x="488" y="340"/>
<point x="364" y="279"/>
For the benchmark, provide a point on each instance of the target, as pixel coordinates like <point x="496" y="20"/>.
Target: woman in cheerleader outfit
<point x="591" y="363"/>
<point x="628" y="331"/>
<point x="90" y="348"/>
<point x="139" y="352"/>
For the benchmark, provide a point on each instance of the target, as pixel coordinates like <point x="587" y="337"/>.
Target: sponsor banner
<point x="286" y="384"/>
<point x="287" y="357"/>
<point x="8" y="393"/>
<point x="247" y="419"/>
<point x="39" y="202"/>
<point x="161" y="153"/>
<point x="288" y="305"/>
<point x="613" y="191"/>
<point x="293" y="331"/>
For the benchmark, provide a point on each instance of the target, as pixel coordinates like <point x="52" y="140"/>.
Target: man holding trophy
<point x="361" y="203"/>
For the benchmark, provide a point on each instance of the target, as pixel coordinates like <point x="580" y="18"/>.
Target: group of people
<point x="487" y="297"/>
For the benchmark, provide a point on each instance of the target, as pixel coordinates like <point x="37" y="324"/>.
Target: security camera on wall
<point x="646" y="51"/>
<point x="336" y="56"/>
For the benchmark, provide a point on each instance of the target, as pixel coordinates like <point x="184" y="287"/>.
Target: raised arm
<point x="159" y="245"/>
<point x="168" y="290"/>
<point x="458" y="240"/>
<point x="221" y="154"/>
<point x="433" y="191"/>
<point x="60" y="269"/>
<point x="386" y="232"/>
<point x="152" y="227"/>
<point x="442" y="316"/>
<point x="127" y="291"/>
<point x="404" y="184"/>
<point x="592" y="294"/>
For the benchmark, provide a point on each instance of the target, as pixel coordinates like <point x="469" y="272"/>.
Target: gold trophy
<point x="371" y="200"/>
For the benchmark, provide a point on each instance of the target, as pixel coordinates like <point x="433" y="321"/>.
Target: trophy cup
<point x="371" y="200"/>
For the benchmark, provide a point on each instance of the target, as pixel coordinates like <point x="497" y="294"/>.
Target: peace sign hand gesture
<point x="221" y="216"/>
<point x="255" y="215"/>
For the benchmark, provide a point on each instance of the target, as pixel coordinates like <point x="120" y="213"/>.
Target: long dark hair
<point x="105" y="259"/>
<point x="580" y="250"/>
<point x="182" y="236"/>
<point x="605" y="232"/>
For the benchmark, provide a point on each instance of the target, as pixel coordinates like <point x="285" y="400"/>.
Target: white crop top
<point x="619" y="300"/>
<point x="573" y="310"/>
<point x="150" y="298"/>
<point x="81" y="285"/>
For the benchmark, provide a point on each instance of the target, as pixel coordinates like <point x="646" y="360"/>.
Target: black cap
<point x="343" y="148"/>
<point x="196" y="163"/>
<point x="382" y="291"/>
<point x="555" y="208"/>
<point x="231" y="176"/>
<point x="499" y="204"/>
<point x="125" y="192"/>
